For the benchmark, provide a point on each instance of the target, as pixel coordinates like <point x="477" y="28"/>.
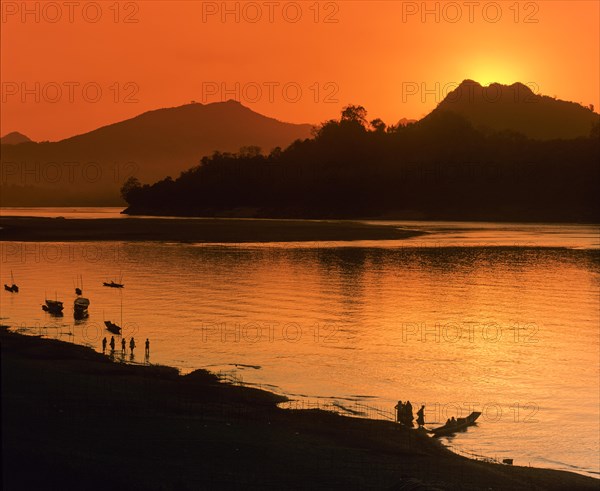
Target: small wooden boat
<point x="54" y="307"/>
<point x="80" y="308"/>
<point x="13" y="288"/>
<point x="461" y="424"/>
<point x="79" y="289"/>
<point x="112" y="327"/>
<point x="112" y="284"/>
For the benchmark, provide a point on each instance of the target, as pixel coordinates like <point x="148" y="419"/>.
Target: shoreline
<point x="218" y="230"/>
<point x="79" y="418"/>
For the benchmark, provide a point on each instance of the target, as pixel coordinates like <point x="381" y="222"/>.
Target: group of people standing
<point x="404" y="414"/>
<point x="112" y="345"/>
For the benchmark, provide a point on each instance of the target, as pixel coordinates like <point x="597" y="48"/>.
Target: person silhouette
<point x="147" y="347"/>
<point x="123" y="344"/>
<point x="399" y="409"/>
<point x="112" y="343"/>
<point x="421" y="417"/>
<point x="408" y="414"/>
<point x="104" y="345"/>
<point x="132" y="345"/>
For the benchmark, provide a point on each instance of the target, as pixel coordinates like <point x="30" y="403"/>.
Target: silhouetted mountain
<point x="90" y="168"/>
<point x="438" y="168"/>
<point x="515" y="108"/>
<point x="14" y="138"/>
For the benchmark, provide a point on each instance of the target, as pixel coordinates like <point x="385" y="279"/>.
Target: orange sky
<point x="373" y="55"/>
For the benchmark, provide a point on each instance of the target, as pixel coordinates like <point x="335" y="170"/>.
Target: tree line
<point x="438" y="168"/>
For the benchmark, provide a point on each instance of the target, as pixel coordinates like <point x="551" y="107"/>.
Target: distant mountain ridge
<point x="440" y="168"/>
<point x="90" y="168"/>
<point x="14" y="138"/>
<point x="516" y="108"/>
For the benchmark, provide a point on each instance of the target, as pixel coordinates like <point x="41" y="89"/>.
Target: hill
<point x="90" y="168"/>
<point x="515" y="108"/>
<point x="14" y="138"/>
<point x="440" y="168"/>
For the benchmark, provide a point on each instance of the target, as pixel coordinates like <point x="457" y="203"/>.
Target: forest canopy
<point x="438" y="168"/>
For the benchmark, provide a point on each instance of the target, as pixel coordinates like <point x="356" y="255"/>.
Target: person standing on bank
<point x="421" y="417"/>
<point x="104" y="345"/>
<point x="147" y="347"/>
<point x="408" y="414"/>
<point x="399" y="408"/>
<point x="112" y="343"/>
<point x="132" y="345"/>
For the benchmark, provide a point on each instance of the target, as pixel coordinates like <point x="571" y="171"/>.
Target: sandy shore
<point x="73" y="419"/>
<point x="193" y="230"/>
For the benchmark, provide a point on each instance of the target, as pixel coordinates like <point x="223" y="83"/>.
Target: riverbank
<point x="193" y="230"/>
<point x="73" y="419"/>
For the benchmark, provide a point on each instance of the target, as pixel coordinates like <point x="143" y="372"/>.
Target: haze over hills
<point x="89" y="169"/>
<point x="14" y="138"/>
<point x="516" y="108"/>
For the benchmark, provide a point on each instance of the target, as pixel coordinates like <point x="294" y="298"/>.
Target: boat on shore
<point x="460" y="424"/>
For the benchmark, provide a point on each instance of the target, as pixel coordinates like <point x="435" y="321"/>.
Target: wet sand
<point x="74" y="419"/>
<point x="192" y="230"/>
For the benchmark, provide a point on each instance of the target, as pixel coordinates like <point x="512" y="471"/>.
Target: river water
<point x="499" y="318"/>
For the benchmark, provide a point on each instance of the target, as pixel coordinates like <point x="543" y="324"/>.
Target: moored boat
<point x="112" y="327"/>
<point x="80" y="308"/>
<point x="79" y="288"/>
<point x="460" y="424"/>
<point x="112" y="284"/>
<point x="13" y="288"/>
<point x="54" y="307"/>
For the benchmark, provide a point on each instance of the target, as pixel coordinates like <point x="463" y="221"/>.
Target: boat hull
<point x="112" y="327"/>
<point x="53" y="307"/>
<point x="461" y="424"/>
<point x="113" y="285"/>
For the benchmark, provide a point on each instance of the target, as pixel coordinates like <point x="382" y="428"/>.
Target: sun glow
<point x="487" y="72"/>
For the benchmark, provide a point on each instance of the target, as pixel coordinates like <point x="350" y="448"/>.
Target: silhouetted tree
<point x="249" y="151"/>
<point x="131" y="185"/>
<point x="440" y="167"/>
<point x="355" y="114"/>
<point x="378" y="125"/>
<point x="595" y="133"/>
